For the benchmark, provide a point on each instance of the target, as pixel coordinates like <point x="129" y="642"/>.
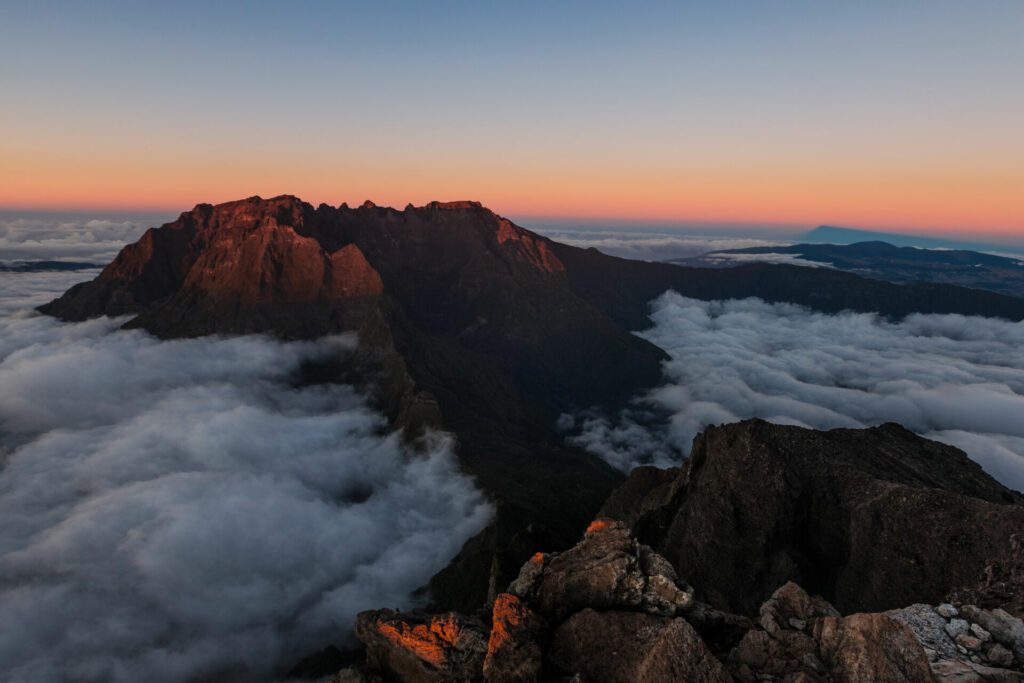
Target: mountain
<point x="465" y="321"/>
<point x="828" y="234"/>
<point x="885" y="261"/>
<point x="871" y="519"/>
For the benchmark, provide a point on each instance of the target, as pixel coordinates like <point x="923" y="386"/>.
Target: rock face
<point x="608" y="609"/>
<point x="423" y="649"/>
<point x="514" y="647"/>
<point x="1001" y="583"/>
<point x="587" y="614"/>
<point x="623" y="647"/>
<point x="871" y="519"/>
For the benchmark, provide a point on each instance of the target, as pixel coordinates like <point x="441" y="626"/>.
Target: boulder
<point x="625" y="647"/>
<point x="514" y="653"/>
<point x="606" y="570"/>
<point x="419" y="648"/>
<point x="871" y="648"/>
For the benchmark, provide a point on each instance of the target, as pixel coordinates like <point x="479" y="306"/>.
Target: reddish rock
<point x="514" y="652"/>
<point x="418" y="648"/>
<point x="602" y="571"/>
<point x="627" y="647"/>
<point x="871" y="648"/>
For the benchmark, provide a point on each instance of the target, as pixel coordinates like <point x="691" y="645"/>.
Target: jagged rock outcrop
<point x="608" y="609"/>
<point x="872" y="519"/>
<point x="514" y="651"/>
<point x="624" y="647"/>
<point x="422" y="648"/>
<point x="587" y="614"/>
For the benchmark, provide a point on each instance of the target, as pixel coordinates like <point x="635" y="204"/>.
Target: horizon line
<point x="616" y="220"/>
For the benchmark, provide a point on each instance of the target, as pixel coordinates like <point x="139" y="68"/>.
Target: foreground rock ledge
<point x="612" y="609"/>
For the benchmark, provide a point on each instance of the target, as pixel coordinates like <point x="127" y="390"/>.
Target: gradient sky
<point x="876" y="114"/>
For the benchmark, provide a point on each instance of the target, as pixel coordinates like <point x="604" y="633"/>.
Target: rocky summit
<point x="872" y="519"/>
<point x="612" y="609"/>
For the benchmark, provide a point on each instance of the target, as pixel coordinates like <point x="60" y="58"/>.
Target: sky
<point x="884" y="115"/>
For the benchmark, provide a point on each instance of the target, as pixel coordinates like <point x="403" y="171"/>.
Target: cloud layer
<point x="951" y="378"/>
<point x="652" y="246"/>
<point x="734" y="259"/>
<point x="175" y="509"/>
<point x="65" y="237"/>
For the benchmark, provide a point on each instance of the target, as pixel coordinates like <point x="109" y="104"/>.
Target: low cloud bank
<point x="740" y="259"/>
<point x="171" y="510"/>
<point x="19" y="291"/>
<point x="29" y="237"/>
<point x="951" y="378"/>
<point x="652" y="246"/>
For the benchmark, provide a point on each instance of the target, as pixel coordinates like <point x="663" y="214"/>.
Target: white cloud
<point x="650" y="246"/>
<point x="771" y="257"/>
<point x="176" y="509"/>
<point x="948" y="377"/>
<point x="46" y="237"/>
<point x="28" y="290"/>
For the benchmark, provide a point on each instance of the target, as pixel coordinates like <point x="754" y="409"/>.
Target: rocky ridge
<point x="612" y="609"/>
<point x="872" y="519"/>
<point x="712" y="600"/>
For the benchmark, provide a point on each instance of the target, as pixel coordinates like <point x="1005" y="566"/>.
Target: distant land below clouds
<point x="827" y="234"/>
<point x="671" y="241"/>
<point x="883" y="261"/>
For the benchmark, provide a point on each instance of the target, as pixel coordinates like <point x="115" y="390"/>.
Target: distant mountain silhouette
<point x="885" y="261"/>
<point x="829" y="234"/>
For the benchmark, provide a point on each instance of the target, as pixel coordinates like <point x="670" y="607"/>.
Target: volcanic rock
<point x="423" y="649"/>
<point x="871" y="519"/>
<point x="870" y="647"/>
<point x="624" y="647"/>
<point x="514" y="652"/>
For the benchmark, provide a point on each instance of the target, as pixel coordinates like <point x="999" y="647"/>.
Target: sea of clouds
<point x="952" y="378"/>
<point x="179" y="509"/>
<point x="34" y="236"/>
<point x="652" y="246"/>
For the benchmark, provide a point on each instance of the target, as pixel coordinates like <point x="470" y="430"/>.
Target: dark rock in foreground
<point x="871" y="519"/>
<point x="611" y="609"/>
